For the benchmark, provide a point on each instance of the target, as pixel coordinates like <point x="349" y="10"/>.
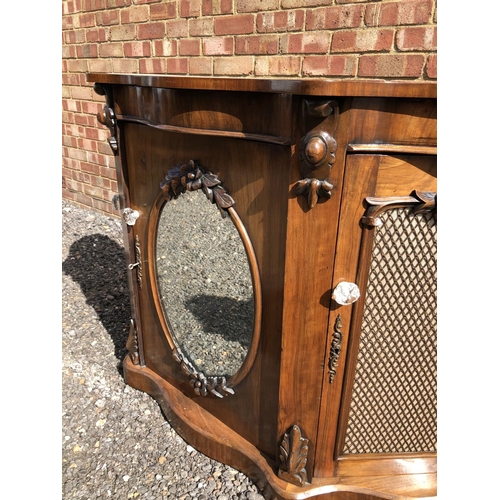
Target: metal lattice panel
<point x="394" y="399"/>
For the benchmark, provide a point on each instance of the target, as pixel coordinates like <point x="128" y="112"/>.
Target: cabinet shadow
<point x="97" y="264"/>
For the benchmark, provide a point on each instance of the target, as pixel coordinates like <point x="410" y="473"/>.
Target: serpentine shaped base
<point x="216" y="440"/>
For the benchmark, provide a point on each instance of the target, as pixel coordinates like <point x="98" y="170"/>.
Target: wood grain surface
<point x="253" y="134"/>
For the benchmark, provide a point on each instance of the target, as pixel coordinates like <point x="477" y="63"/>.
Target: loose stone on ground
<point x="116" y="443"/>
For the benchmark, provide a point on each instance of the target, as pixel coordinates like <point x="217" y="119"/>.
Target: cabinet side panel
<point x="311" y="238"/>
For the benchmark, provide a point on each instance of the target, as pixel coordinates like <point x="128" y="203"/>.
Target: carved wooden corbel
<point x="107" y="116"/>
<point x="293" y="457"/>
<point x="317" y="149"/>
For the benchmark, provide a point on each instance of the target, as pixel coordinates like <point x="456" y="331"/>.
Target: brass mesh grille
<point x="393" y="407"/>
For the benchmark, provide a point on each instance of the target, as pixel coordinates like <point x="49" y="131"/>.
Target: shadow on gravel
<point x="97" y="264"/>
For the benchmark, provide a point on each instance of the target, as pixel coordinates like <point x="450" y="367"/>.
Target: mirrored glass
<point x="205" y="284"/>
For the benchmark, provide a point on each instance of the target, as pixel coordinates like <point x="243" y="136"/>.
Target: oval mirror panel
<point x="205" y="284"/>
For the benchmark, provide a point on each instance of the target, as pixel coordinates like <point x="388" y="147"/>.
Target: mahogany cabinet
<point x="281" y="245"/>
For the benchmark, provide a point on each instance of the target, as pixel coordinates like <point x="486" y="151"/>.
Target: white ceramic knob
<point x="130" y="216"/>
<point x="345" y="293"/>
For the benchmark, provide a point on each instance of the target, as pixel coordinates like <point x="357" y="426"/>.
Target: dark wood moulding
<point x="312" y="87"/>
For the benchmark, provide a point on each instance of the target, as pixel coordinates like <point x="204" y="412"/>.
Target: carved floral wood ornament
<point x="335" y="348"/>
<point x="317" y="149"/>
<point x="202" y="385"/>
<point x="132" y="345"/>
<point x="191" y="176"/>
<point x="179" y="179"/>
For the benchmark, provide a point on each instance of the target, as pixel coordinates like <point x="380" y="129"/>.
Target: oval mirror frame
<point x="191" y="177"/>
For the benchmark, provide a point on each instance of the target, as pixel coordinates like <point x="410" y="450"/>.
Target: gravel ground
<point x="116" y="443"/>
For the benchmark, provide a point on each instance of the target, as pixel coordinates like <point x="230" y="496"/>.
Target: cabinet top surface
<point x="312" y="87"/>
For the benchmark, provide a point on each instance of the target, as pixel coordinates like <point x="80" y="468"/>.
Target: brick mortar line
<point x="394" y="51"/>
<point x="213" y="17"/>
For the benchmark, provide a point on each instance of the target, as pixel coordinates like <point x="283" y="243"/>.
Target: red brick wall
<point x="390" y="39"/>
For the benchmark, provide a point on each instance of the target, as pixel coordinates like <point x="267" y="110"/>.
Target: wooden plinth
<point x="216" y="440"/>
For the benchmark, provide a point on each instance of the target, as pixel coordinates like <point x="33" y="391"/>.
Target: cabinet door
<point x="379" y="399"/>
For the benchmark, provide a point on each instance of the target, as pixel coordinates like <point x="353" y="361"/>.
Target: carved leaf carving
<point x="222" y="199"/>
<point x="132" y="344"/>
<point x="210" y="180"/>
<point x="293" y="456"/>
<point x="190" y="177"/>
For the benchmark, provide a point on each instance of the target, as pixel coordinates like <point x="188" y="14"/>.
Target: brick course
<point x="335" y="17"/>
<point x="166" y="10"/>
<point x="355" y="39"/>
<point x="276" y="22"/>
<point x="234" y="25"/>
<point x="267" y="44"/>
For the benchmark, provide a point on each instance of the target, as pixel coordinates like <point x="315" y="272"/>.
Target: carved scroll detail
<point x="317" y="149"/>
<point x="137" y="265"/>
<point x="293" y="457"/>
<point x="335" y="349"/>
<point x="420" y="201"/>
<point x="190" y="177"/>
<point x="107" y="116"/>
<point x="138" y="259"/>
<point x="201" y="384"/>
<point x="132" y="343"/>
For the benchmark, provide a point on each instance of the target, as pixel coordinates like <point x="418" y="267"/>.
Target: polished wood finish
<point x="408" y="122"/>
<point x="254" y="191"/>
<point x="392" y="148"/>
<point x="366" y="176"/>
<point x="295" y="163"/>
<point x="211" y="113"/>
<point x="311" y="87"/>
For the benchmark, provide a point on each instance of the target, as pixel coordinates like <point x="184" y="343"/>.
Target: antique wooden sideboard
<point x="281" y="246"/>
